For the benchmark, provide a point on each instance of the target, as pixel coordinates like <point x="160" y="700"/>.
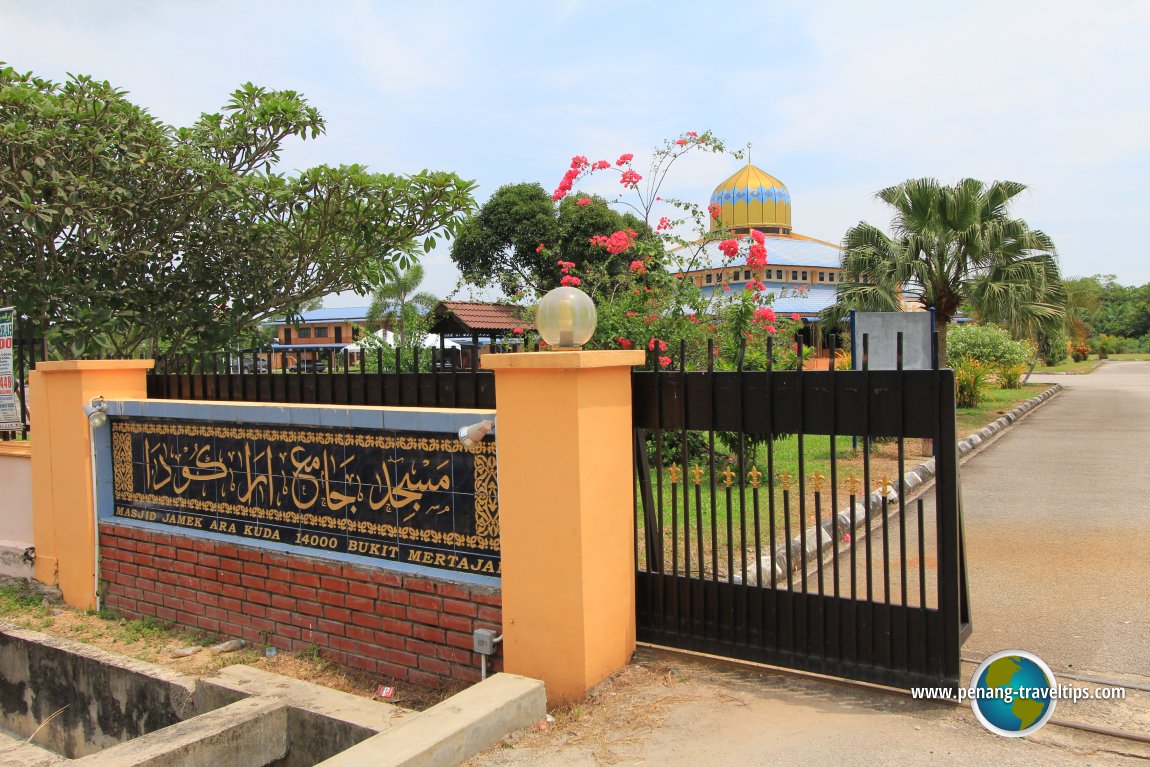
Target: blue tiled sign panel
<point x="419" y="498"/>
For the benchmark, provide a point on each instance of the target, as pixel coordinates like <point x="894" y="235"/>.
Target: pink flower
<point x="655" y="342"/>
<point x="578" y="162"/>
<point x="540" y="248"/>
<point x="758" y="236"/>
<point x="517" y="331"/>
<point x="664" y="224"/>
<point x="729" y="248"/>
<point x="617" y="242"/>
<point x="664" y="362"/>
<point x="601" y="165"/>
<point x="693" y="318"/>
<point x="565" y="266"/>
<point x="771" y="329"/>
<point x="583" y="201"/>
<point x="796" y="317"/>
<point x="624" y="159"/>
<point x="765" y="314"/>
<point x="757" y="256"/>
<point x="847" y="537"/>
<point x="625" y="343"/>
<point x="716" y="210"/>
<point x="638" y="267"/>
<point x="692" y="133"/>
<point x="682" y="142"/>
<point x="756" y="285"/>
<point x="630" y="178"/>
<point x="570" y="281"/>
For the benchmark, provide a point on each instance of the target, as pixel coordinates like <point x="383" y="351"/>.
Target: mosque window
<point x="795" y="274"/>
<point x="822" y="276"/>
<point x="746" y="274"/>
<point x="804" y="276"/>
<point x="778" y="274"/>
<point x="831" y="275"/>
<point x="710" y="279"/>
<point x="735" y="275"/>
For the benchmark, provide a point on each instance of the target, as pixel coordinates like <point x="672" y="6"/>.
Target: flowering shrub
<point x="649" y="305"/>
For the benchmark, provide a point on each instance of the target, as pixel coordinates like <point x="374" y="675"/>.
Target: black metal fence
<point x="329" y="377"/>
<point x="774" y="526"/>
<point x="27" y="349"/>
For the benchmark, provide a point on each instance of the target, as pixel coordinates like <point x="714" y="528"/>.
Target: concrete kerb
<point x="456" y="729"/>
<point x="915" y="482"/>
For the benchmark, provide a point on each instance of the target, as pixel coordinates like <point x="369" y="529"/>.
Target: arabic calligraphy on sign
<point x="408" y="496"/>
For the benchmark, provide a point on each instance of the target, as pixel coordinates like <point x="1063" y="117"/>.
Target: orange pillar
<point x="566" y="515"/>
<point x="63" y="506"/>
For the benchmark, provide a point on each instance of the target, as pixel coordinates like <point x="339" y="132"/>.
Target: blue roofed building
<point x="801" y="271"/>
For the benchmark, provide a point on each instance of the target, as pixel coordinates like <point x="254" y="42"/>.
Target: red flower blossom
<point x="517" y="331"/>
<point x="625" y="343"/>
<point x="583" y="201"/>
<point x="632" y="314"/>
<point x="540" y="248"/>
<point x="578" y="162"/>
<point x="796" y="317"/>
<point x="765" y="314"/>
<point x="758" y="236"/>
<point x="565" y="266"/>
<point x="664" y="362"/>
<point x="630" y="178"/>
<point x="729" y="248"/>
<point x="624" y="159"/>
<point x="716" y="210"/>
<point x="756" y="285"/>
<point x="655" y="342"/>
<point x="617" y="242"/>
<point x="771" y="329"/>
<point x="570" y="281"/>
<point x="638" y="267"/>
<point x="682" y="142"/>
<point x="757" y="257"/>
<point x="664" y="224"/>
<point x="601" y="165"/>
<point x="692" y="133"/>
<point x="693" y="318"/>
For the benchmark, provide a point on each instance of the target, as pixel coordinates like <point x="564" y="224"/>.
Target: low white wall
<point x="15" y="508"/>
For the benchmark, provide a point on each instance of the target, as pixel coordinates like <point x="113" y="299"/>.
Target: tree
<point x="119" y="233"/>
<point x="951" y="248"/>
<point x="500" y="244"/>
<point x="401" y="304"/>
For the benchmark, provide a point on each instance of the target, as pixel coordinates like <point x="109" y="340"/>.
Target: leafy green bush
<point x="988" y="344"/>
<point x="1053" y="346"/>
<point x="1010" y="376"/>
<point x="971" y="379"/>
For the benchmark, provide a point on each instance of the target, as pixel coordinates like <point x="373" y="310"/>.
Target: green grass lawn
<point x="1086" y="366"/>
<point x="1137" y="356"/>
<point x="996" y="402"/>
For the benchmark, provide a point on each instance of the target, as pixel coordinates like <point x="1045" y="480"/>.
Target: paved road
<point x="1058" y="528"/>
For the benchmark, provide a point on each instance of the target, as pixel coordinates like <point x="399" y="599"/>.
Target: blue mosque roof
<point x="781" y="251"/>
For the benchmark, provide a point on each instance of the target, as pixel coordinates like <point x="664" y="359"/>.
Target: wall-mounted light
<point x="566" y="318"/>
<point x="472" y="435"/>
<point x="97" y="412"/>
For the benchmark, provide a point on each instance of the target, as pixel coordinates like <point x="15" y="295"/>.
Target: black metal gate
<point x="762" y="536"/>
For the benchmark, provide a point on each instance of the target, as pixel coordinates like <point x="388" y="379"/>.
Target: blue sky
<point x="838" y="99"/>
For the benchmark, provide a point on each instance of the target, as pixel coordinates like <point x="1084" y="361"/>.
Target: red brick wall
<point x="394" y="625"/>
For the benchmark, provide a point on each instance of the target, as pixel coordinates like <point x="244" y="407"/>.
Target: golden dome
<point x="752" y="199"/>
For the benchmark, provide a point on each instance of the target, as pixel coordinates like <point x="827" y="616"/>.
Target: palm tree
<point x="399" y="301"/>
<point x="954" y="247"/>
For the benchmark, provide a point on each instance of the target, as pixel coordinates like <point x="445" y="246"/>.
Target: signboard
<point x="9" y="404"/>
<point x="882" y="329"/>
<point x="404" y="496"/>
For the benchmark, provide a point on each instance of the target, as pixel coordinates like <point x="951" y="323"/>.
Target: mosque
<point x="802" y="271"/>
